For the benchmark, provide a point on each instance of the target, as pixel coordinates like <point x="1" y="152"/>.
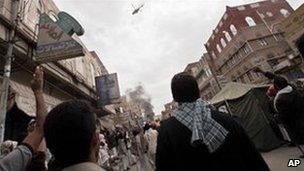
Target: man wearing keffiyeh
<point x="200" y="138"/>
<point x="197" y="117"/>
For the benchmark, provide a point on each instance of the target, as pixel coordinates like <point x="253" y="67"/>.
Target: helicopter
<point x="136" y="10"/>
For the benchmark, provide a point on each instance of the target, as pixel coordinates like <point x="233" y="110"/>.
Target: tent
<point x="250" y="107"/>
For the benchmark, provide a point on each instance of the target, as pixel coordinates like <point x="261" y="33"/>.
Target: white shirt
<point x="151" y="137"/>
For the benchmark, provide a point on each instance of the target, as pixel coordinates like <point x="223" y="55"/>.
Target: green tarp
<point x="249" y="105"/>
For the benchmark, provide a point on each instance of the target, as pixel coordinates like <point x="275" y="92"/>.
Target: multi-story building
<point x="208" y="85"/>
<point x="246" y="37"/>
<point x="65" y="79"/>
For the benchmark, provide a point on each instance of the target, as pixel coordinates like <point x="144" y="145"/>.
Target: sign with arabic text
<point x="107" y="89"/>
<point x="54" y="43"/>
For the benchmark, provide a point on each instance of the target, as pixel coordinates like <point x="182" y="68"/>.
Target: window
<point x="212" y="37"/>
<point x="250" y="76"/>
<point x="255" y="5"/>
<point x="233" y="29"/>
<point x="92" y="74"/>
<point x="208" y="44"/>
<point x="223" y="42"/>
<point x="221" y="24"/>
<point x="225" y="16"/>
<point x="233" y="78"/>
<point x="273" y="62"/>
<point x="263" y="42"/>
<point x="241" y="8"/>
<point x="216" y="30"/>
<point x="285" y="13"/>
<point x="218" y="48"/>
<point x="262" y="15"/>
<point x="208" y="72"/>
<point x="250" y="21"/>
<point x="213" y="55"/>
<point x="80" y="65"/>
<point x="227" y="35"/>
<point x="53" y="16"/>
<point x="246" y="49"/>
<point x="269" y="14"/>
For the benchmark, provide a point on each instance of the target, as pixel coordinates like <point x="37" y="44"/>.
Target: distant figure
<point x="196" y="138"/>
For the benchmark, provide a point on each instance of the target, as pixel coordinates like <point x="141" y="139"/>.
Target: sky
<point x="149" y="48"/>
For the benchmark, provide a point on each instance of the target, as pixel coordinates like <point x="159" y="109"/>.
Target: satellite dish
<point x="69" y="24"/>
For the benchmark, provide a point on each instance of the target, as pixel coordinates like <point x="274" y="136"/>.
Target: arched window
<point x="223" y="42"/>
<point x="250" y="21"/>
<point x="227" y="35"/>
<point x="233" y="29"/>
<point x="284" y="12"/>
<point x="219" y="49"/>
<point x="213" y="55"/>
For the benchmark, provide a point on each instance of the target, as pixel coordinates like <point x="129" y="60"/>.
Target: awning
<point x="232" y="91"/>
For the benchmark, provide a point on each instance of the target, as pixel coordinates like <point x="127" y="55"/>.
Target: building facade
<point x="202" y="72"/>
<point x="65" y="79"/>
<point x="246" y="37"/>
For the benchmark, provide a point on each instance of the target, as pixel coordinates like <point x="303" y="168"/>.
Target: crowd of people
<point x="69" y="138"/>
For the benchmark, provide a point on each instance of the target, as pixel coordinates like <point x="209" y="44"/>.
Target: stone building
<point x="207" y="82"/>
<point x="246" y="37"/>
<point x="65" y="79"/>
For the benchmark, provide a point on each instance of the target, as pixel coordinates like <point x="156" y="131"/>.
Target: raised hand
<point x="37" y="82"/>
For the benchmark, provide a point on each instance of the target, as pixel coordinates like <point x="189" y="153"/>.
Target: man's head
<point x="184" y="88"/>
<point x="280" y="82"/>
<point x="70" y="133"/>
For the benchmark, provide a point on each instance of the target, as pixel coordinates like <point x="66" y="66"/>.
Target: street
<point x="278" y="159"/>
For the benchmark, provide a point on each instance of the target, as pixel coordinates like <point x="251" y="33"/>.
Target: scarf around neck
<point x="285" y="90"/>
<point x="196" y="116"/>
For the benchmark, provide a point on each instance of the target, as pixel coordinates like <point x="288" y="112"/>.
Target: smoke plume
<point x="139" y="96"/>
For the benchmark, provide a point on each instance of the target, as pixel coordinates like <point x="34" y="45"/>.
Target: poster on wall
<point x="55" y="41"/>
<point x="107" y="89"/>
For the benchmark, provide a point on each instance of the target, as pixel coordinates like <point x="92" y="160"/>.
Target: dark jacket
<point x="290" y="108"/>
<point x="174" y="151"/>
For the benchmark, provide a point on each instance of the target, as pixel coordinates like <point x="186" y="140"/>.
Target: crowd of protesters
<point x="69" y="137"/>
<point x="197" y="136"/>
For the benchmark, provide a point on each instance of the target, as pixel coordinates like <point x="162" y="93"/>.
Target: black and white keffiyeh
<point x="197" y="117"/>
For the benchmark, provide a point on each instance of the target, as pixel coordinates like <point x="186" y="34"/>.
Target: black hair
<point x="146" y="127"/>
<point x="280" y="82"/>
<point x="68" y="131"/>
<point x="184" y="88"/>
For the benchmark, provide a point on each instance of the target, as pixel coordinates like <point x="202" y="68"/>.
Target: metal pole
<point x="7" y="68"/>
<point x="267" y="26"/>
